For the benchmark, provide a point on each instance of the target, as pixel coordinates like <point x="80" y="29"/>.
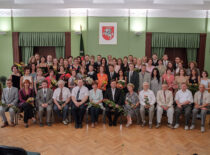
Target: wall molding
<point x="104" y="13"/>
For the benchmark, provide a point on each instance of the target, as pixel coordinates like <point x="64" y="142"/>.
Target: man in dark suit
<point x="114" y="94"/>
<point x="176" y="62"/>
<point x="133" y="77"/>
<point x="154" y="59"/>
<point x="112" y="75"/>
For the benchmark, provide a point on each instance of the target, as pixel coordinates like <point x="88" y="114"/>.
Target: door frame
<point x="17" y="51"/>
<point x="200" y="55"/>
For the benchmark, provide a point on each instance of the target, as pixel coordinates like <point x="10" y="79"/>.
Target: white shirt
<point x="83" y="92"/>
<point x="113" y="92"/>
<point x="65" y="94"/>
<point x="150" y="94"/>
<point x="184" y="96"/>
<point x="44" y="91"/>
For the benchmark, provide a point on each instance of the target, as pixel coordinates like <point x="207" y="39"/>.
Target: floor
<point x="104" y="140"/>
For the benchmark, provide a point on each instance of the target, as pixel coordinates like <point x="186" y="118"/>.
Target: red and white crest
<point x="108" y="32"/>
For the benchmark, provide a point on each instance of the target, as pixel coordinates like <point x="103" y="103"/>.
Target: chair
<point x="8" y="150"/>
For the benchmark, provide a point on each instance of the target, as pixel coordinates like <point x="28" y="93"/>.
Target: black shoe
<point x="5" y="125"/>
<point x="114" y="123"/>
<point x="110" y="123"/>
<point x="26" y="125"/>
<point x="76" y="126"/>
<point x="49" y="124"/>
<point x="80" y="126"/>
<point x="41" y="124"/>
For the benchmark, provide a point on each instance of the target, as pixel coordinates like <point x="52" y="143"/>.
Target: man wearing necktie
<point x="112" y="75"/>
<point x="133" y="77"/>
<point x="44" y="101"/>
<point x="9" y="98"/>
<point x="61" y="97"/>
<point x="165" y="103"/>
<point x="201" y="101"/>
<point x="114" y="94"/>
<point x="80" y="95"/>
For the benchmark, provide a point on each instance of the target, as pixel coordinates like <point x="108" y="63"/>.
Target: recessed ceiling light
<point x="178" y="2"/>
<point x="39" y="1"/>
<point x="108" y="1"/>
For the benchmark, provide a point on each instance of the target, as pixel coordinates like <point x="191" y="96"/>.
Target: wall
<point x="127" y="21"/>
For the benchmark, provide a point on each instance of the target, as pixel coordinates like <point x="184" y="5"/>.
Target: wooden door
<point x="44" y="51"/>
<point x="177" y="52"/>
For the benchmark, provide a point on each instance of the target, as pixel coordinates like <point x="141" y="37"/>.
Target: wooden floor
<point x="104" y="140"/>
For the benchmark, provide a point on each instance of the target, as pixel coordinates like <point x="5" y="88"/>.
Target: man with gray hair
<point x="9" y="99"/>
<point x="147" y="101"/>
<point x="61" y="98"/>
<point x="201" y="101"/>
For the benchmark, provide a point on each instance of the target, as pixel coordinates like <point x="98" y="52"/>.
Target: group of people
<point x="135" y="85"/>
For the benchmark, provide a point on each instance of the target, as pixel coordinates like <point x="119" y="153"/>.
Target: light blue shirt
<point x="96" y="96"/>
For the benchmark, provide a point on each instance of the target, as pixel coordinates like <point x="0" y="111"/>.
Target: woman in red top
<point x="102" y="79"/>
<point x="50" y="78"/>
<point x="168" y="77"/>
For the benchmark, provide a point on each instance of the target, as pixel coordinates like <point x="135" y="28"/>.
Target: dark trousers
<point x="78" y="113"/>
<point x="109" y="113"/>
<point x="94" y="112"/>
<point x="187" y="113"/>
<point x="28" y="110"/>
<point x="62" y="113"/>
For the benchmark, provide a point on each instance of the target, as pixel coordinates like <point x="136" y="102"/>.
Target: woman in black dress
<point x="194" y="77"/>
<point x="15" y="77"/>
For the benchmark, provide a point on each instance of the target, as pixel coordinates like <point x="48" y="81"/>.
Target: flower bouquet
<point x="30" y="100"/>
<point x="53" y="84"/>
<point x="130" y="103"/>
<point x="38" y="85"/>
<point x="20" y="67"/>
<point x="113" y="105"/>
<point x="92" y="104"/>
<point x="89" y="80"/>
<point x="136" y="70"/>
<point x="193" y="88"/>
<point x="146" y="100"/>
<point x="103" y="85"/>
<point x="121" y="84"/>
<point x="16" y="109"/>
<point x="65" y="77"/>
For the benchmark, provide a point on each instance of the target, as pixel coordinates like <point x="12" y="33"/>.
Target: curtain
<point x="27" y="52"/>
<point x="60" y="52"/>
<point x="191" y="54"/>
<point x="176" y="40"/>
<point x="42" y="39"/>
<point x="159" y="51"/>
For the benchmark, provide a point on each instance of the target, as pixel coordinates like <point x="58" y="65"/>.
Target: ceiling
<point x="129" y="4"/>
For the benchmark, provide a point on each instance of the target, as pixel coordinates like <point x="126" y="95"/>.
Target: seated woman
<point x="82" y="73"/>
<point x="131" y="104"/>
<point x="60" y="73"/>
<point x="149" y="67"/>
<point x="96" y="97"/>
<point x="192" y="65"/>
<point x="50" y="78"/>
<point x="26" y="76"/>
<point x="91" y="74"/>
<point x="72" y="80"/>
<point x="43" y="66"/>
<point x="28" y="108"/>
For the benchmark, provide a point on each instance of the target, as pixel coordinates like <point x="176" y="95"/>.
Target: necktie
<point x="201" y="100"/>
<point x="61" y="95"/>
<point x="164" y="92"/>
<point x="78" y="95"/>
<point x="45" y="96"/>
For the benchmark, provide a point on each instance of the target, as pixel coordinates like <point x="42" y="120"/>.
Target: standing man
<point x="45" y="101"/>
<point x="165" y="103"/>
<point x="112" y="75"/>
<point x="144" y="76"/>
<point x="133" y="77"/>
<point x="183" y="100"/>
<point x="9" y="98"/>
<point x="165" y="60"/>
<point x="80" y="95"/>
<point x="201" y="101"/>
<point x="154" y="59"/>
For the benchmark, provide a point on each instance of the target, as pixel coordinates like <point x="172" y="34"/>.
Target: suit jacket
<point x="206" y="97"/>
<point x="142" y="79"/>
<point x="10" y="98"/>
<point x="134" y="80"/>
<point x="114" y="76"/>
<point x="118" y="97"/>
<point x="154" y="63"/>
<point x="162" y="101"/>
<point x="40" y="97"/>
